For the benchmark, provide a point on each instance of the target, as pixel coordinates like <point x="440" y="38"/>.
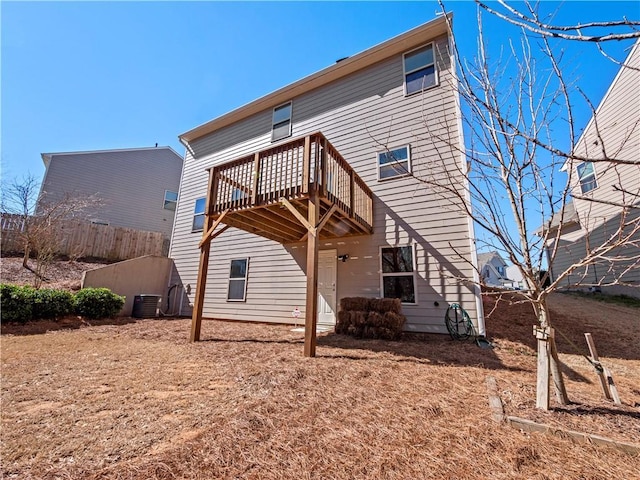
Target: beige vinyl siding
<point x="617" y="120"/>
<point x="129" y="183"/>
<point x="359" y="115"/>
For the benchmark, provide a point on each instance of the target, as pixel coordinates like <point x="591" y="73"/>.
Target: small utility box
<point x="145" y="306"/>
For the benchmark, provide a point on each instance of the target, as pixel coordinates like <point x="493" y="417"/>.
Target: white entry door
<point x="327" y="272"/>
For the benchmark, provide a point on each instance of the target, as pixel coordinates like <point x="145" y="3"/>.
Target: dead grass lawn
<point x="137" y="401"/>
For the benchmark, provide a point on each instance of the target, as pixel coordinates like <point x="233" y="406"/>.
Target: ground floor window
<point x="238" y="280"/>
<point x="398" y="273"/>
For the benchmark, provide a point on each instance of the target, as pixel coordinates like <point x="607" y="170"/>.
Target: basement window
<point x="419" y="70"/>
<point x="398" y="273"/>
<point x="394" y="163"/>
<point x="238" y="280"/>
<point x="587" y="177"/>
<point x="170" y="200"/>
<point x="281" y="122"/>
<point x="198" y="215"/>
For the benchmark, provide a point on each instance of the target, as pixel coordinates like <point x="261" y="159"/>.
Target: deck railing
<point x="292" y="170"/>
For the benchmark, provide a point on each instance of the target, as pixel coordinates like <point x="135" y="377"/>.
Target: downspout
<point x="467" y="193"/>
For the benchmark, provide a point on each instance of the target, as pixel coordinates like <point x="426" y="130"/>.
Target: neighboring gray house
<point x="493" y="270"/>
<point x="600" y="190"/>
<point x="137" y="187"/>
<point x="330" y="162"/>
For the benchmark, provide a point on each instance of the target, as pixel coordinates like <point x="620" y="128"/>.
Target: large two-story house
<point x="605" y="208"/>
<point x="320" y="187"/>
<point x="134" y="188"/>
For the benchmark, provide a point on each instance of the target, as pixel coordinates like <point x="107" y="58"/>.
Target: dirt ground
<point x="135" y="400"/>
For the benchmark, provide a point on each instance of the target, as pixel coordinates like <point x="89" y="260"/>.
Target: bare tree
<point x="519" y="124"/>
<point x="38" y="220"/>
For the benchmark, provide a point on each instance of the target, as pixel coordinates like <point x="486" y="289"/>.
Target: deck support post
<point x="311" y="309"/>
<point x="203" y="266"/>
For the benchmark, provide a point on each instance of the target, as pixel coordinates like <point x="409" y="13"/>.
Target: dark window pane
<point x="170" y="205"/>
<point x="392" y="156"/>
<point x="394" y="170"/>
<point x="170" y="196"/>
<point x="588" y="184"/>
<point x="418" y="58"/>
<point x="198" y="222"/>
<point x="236" y="290"/>
<point x="200" y="204"/>
<point x="281" y="130"/>
<point x="238" y="268"/>
<point x="282" y="113"/>
<point x="421" y="79"/>
<point x="399" y="287"/>
<point x="396" y="260"/>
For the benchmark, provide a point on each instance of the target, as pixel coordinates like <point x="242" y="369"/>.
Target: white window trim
<point x="400" y="274"/>
<point x="595" y="178"/>
<point x="273" y="124"/>
<point x="246" y="277"/>
<point x="400" y="175"/>
<point x="435" y="70"/>
<point x="164" y="207"/>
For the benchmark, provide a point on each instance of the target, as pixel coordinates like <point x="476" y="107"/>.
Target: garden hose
<point x="460" y="327"/>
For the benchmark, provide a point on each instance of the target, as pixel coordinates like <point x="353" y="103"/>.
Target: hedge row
<point x="21" y="304"/>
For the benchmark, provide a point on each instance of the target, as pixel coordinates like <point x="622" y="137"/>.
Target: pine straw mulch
<point x="63" y="274"/>
<point x="137" y="401"/>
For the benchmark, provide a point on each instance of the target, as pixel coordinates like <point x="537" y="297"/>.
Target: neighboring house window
<point x="281" y="124"/>
<point x="419" y="70"/>
<point x="170" y="200"/>
<point x="500" y="270"/>
<point x="394" y="163"/>
<point x="398" y="273"/>
<point x="587" y="177"/>
<point x="198" y="215"/>
<point x="238" y="280"/>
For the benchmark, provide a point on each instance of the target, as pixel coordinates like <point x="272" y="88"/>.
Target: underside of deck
<point x="301" y="190"/>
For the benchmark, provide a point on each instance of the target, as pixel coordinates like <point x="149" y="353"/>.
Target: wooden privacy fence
<point x="79" y="238"/>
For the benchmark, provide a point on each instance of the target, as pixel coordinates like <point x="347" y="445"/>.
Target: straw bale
<point x="361" y="304"/>
<point x="383" y="305"/>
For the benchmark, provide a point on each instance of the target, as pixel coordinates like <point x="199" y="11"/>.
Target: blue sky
<point x="88" y="75"/>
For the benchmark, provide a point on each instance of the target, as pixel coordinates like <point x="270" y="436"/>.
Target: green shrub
<point x="16" y="303"/>
<point x="97" y="303"/>
<point x="52" y="303"/>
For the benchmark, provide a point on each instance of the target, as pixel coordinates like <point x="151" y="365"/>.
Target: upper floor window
<point x="587" y="177"/>
<point x="198" y="214"/>
<point x="419" y="70"/>
<point x="394" y="163"/>
<point x="170" y="200"/>
<point x="281" y="122"/>
<point x="398" y="273"/>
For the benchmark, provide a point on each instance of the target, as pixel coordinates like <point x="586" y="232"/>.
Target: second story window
<point x="170" y="200"/>
<point x="281" y="122"/>
<point x="419" y="70"/>
<point x="394" y="163"/>
<point x="198" y="215"/>
<point x="587" y="177"/>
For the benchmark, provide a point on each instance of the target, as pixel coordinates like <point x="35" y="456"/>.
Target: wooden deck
<point x="257" y="191"/>
<point x="298" y="191"/>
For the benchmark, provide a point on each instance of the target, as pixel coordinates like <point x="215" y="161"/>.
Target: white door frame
<point x="327" y="303"/>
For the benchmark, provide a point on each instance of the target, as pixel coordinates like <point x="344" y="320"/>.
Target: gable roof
<point x="635" y="50"/>
<point x="46" y="157"/>
<point x="399" y="44"/>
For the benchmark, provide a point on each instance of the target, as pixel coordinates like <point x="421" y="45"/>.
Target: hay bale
<point x="371" y="318"/>
<point x="360" y="304"/>
<point x="383" y="305"/>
